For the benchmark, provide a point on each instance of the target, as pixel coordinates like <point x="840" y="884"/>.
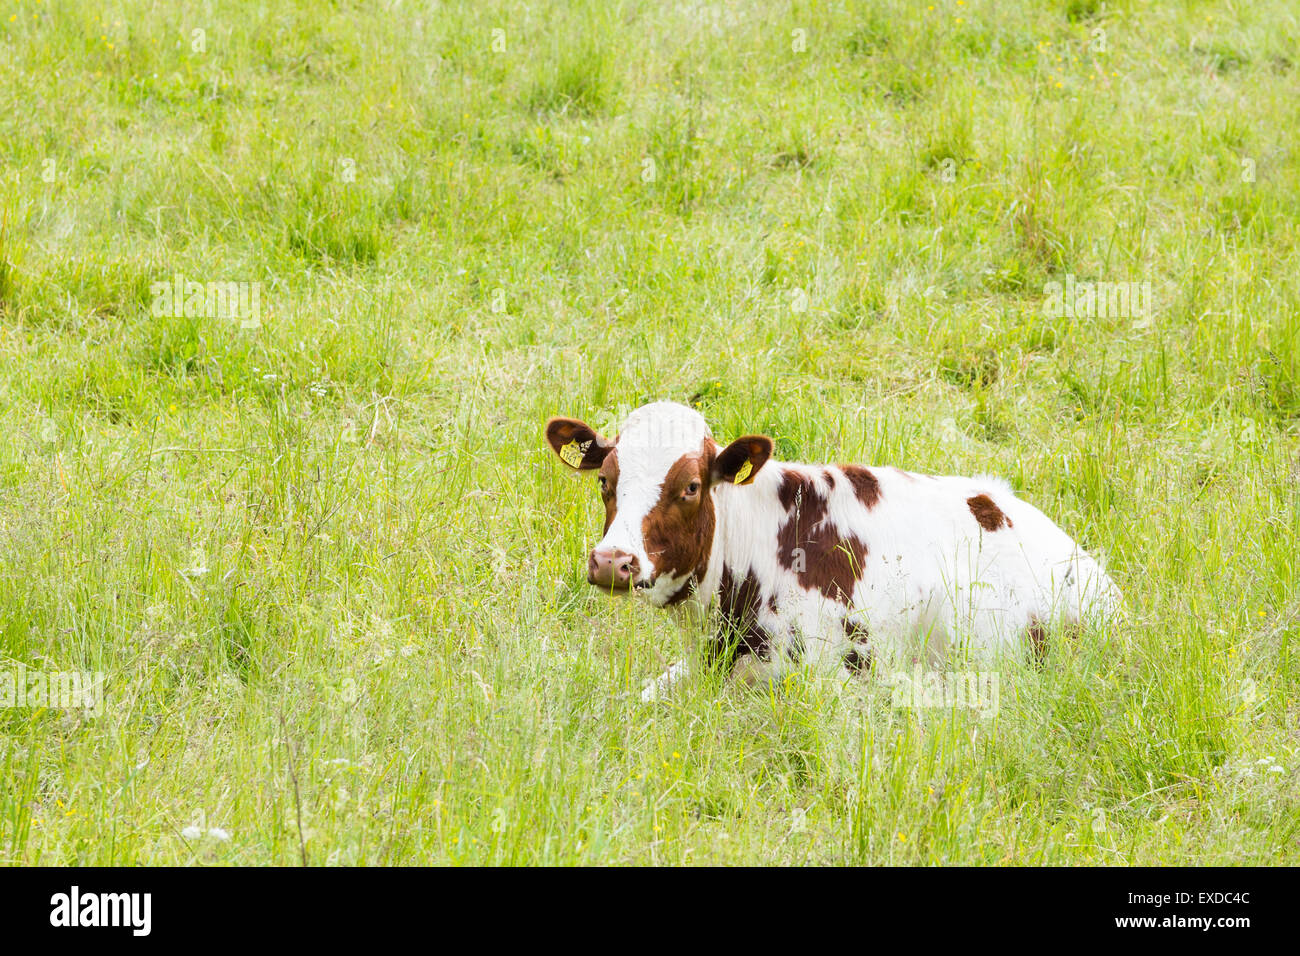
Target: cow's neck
<point x="735" y="511"/>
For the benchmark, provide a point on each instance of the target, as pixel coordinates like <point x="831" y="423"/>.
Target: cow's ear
<point x="739" y="462"/>
<point x="577" y="443"/>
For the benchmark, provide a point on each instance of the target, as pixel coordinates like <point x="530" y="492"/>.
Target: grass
<point x="333" y="577"/>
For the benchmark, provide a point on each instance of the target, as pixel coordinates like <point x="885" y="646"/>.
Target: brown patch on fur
<point x="832" y="562"/>
<point x="858" y="661"/>
<point x="864" y="483"/>
<point x="797" y="489"/>
<point x="989" y="515"/>
<point x="678" y="531"/>
<point x="1037" y="634"/>
<point x="740" y="602"/>
<point x="856" y="632"/>
<point x="859" y="658"/>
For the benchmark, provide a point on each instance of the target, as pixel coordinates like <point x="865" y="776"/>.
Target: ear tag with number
<point x="574" y="452"/>
<point x="744" y="471"/>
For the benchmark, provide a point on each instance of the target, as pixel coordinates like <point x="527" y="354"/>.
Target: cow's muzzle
<point x="612" y="569"/>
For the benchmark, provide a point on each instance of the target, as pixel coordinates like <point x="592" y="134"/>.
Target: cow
<point x="829" y="565"/>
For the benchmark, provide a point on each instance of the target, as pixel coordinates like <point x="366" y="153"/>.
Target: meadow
<point x="335" y="580"/>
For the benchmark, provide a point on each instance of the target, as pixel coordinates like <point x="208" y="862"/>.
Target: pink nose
<point x="612" y="568"/>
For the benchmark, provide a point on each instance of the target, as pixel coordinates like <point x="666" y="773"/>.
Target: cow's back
<point x="966" y="561"/>
<point x="849" y="552"/>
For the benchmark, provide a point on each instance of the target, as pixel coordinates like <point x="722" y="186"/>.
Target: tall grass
<point x="333" y="542"/>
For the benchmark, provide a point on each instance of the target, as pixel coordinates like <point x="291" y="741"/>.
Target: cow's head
<point x="657" y="480"/>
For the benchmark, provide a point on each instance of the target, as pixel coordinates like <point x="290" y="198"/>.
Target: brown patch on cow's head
<point x="864" y="483"/>
<point x="678" y="531"/>
<point x="607" y="477"/>
<point x="808" y="543"/>
<point x="988" y="514"/>
<point x="577" y="443"/>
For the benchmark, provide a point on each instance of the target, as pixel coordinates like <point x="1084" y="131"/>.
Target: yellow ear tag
<point x="573" y="453"/>
<point x="744" y="471"/>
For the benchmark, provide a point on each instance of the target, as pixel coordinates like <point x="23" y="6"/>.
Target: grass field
<point x="334" y="579"/>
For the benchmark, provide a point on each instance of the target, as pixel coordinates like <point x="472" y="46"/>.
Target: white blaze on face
<point x="650" y="441"/>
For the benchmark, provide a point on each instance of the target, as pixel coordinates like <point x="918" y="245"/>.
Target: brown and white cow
<point x="824" y="563"/>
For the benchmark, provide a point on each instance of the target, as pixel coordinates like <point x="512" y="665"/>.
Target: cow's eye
<point x="692" y="490"/>
<point x="604" y="485"/>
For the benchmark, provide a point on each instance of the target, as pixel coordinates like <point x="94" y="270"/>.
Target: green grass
<point x="334" y="578"/>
